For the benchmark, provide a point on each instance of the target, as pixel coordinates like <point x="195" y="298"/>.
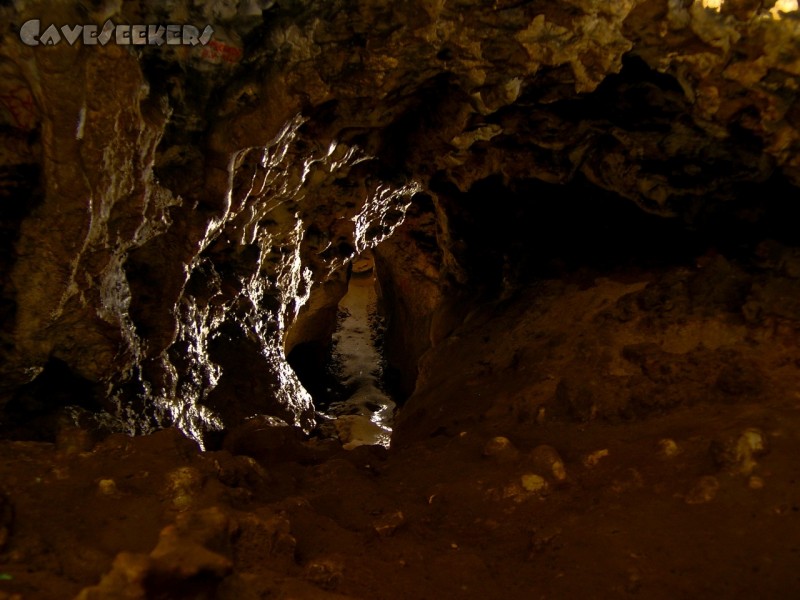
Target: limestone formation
<point x="172" y="209"/>
<point x="583" y="221"/>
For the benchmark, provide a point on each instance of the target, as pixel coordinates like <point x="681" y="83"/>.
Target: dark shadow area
<point x="311" y="362"/>
<point x="577" y="231"/>
<point x="36" y="411"/>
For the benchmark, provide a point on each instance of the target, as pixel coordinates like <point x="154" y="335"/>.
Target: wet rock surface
<point x="693" y="498"/>
<point x="212" y="192"/>
<point x="364" y="413"/>
<point x="583" y="222"/>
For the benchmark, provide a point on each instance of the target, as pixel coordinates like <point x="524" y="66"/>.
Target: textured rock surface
<point x="613" y="350"/>
<point x="172" y="209"/>
<point x="583" y="217"/>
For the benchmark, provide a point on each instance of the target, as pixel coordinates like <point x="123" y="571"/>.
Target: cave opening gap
<point x="347" y="383"/>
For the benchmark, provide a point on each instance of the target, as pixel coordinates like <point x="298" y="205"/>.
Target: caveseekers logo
<point x="124" y="35"/>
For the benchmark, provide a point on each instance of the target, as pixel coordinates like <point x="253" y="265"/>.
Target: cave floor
<point x="436" y="520"/>
<point x="574" y="460"/>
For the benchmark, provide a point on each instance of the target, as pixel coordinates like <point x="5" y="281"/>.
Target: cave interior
<point x="369" y="301"/>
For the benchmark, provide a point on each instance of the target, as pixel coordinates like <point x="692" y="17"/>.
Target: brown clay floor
<point x="437" y="520"/>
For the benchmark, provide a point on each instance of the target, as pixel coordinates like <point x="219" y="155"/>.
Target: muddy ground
<point x="623" y="435"/>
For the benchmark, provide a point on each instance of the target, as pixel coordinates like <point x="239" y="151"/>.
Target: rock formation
<point x="211" y="189"/>
<point x="581" y="213"/>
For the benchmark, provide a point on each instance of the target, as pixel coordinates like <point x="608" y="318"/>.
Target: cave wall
<point x="169" y="211"/>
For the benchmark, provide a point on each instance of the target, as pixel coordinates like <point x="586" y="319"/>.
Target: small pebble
<point x="386" y="525"/>
<point x="107" y="487"/>
<point x="592" y="459"/>
<point x="534" y="483"/>
<point x="755" y="483"/>
<point x="500" y="448"/>
<point x="668" y="448"/>
<point x="324" y="572"/>
<point x="738" y="454"/>
<point x="547" y="460"/>
<point x="705" y="490"/>
<point x="751" y="443"/>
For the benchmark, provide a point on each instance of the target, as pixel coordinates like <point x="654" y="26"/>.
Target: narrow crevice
<point x="346" y="377"/>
